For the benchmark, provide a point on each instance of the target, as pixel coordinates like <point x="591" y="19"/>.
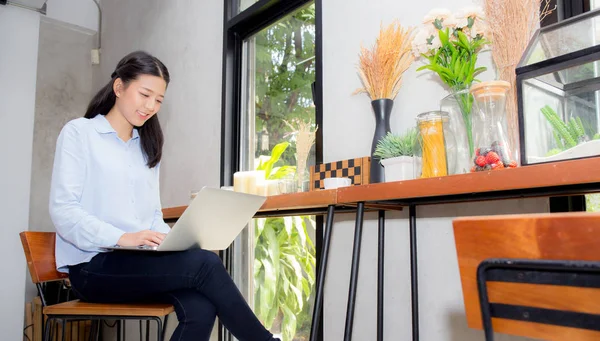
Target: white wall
<point x="442" y="314"/>
<point x="18" y="67"/>
<point x="82" y="13"/>
<point x="187" y="36"/>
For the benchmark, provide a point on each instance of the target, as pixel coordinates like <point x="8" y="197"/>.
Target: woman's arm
<point x="72" y="222"/>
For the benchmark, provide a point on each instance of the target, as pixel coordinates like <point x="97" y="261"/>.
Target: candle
<point x="261" y="188"/>
<point x="272" y="187"/>
<point x="247" y="182"/>
<point x="240" y="184"/>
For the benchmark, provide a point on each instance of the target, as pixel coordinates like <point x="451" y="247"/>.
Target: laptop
<point x="213" y="219"/>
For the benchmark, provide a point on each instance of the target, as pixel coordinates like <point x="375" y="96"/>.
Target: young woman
<point x="105" y="192"/>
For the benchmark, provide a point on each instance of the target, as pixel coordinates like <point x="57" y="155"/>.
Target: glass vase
<point x="493" y="148"/>
<point x="464" y="101"/>
<point x="456" y="123"/>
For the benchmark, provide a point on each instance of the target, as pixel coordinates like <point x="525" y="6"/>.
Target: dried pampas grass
<point x="381" y="67"/>
<point x="512" y="23"/>
<point x="305" y="137"/>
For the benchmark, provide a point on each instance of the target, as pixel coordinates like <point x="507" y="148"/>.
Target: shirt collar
<point x="103" y="126"/>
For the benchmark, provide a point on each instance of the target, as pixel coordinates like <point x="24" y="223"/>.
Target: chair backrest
<point x="558" y="237"/>
<point x="39" y="253"/>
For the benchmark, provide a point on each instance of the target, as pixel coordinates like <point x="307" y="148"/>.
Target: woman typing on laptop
<point x="105" y="192"/>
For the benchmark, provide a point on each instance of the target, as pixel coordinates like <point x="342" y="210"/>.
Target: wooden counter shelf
<point x="561" y="178"/>
<point x="315" y="202"/>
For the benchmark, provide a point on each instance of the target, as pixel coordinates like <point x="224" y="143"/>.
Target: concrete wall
<point x="442" y="316"/>
<point x="18" y="66"/>
<point x="187" y="36"/>
<point x="63" y="91"/>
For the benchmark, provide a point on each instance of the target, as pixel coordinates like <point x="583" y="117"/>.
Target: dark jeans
<point x="194" y="281"/>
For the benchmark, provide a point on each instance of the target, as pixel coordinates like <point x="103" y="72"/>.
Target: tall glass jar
<point x="490" y="134"/>
<point x="435" y="148"/>
<point x="457" y="124"/>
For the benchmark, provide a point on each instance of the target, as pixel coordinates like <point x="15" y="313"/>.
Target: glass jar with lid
<point x="435" y="148"/>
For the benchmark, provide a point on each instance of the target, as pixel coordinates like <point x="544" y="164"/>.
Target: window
<point x="566" y="9"/>
<point x="271" y="101"/>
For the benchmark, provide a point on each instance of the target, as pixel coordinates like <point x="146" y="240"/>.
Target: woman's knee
<point x="208" y="258"/>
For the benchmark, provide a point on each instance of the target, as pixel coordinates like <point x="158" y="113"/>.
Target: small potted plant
<point x="396" y="154"/>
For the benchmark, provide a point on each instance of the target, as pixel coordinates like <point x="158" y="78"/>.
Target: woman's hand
<point x="146" y="237"/>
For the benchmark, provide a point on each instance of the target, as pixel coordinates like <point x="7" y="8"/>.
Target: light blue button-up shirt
<point x="101" y="188"/>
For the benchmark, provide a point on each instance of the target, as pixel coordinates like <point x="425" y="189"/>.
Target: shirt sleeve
<point x="72" y="222"/>
<point x="158" y="223"/>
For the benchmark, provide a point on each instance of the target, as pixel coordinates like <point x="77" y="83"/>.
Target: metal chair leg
<point x="159" y="329"/>
<point x="47" y="331"/>
<point x="119" y="330"/>
<point x="148" y="330"/>
<point x="164" y="332"/>
<point x="64" y="329"/>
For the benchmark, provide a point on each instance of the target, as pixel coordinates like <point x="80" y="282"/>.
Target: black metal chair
<point x="584" y="274"/>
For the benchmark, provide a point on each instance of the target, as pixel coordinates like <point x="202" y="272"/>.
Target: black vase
<point x="382" y="108"/>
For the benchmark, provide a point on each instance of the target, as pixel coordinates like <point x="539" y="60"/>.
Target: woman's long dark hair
<point x="130" y="68"/>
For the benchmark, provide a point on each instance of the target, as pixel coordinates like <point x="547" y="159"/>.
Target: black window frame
<point x="565" y="9"/>
<point x="236" y="28"/>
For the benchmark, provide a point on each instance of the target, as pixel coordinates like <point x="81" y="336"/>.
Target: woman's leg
<point x="196" y="315"/>
<point x="130" y="276"/>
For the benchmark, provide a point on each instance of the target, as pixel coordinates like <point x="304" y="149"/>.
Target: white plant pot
<point x="398" y="168"/>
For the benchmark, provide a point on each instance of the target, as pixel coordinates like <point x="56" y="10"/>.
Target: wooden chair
<point x="39" y="253"/>
<point x="531" y="275"/>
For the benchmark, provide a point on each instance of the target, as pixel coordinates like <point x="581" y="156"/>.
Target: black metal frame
<point x="552" y="272"/>
<point x="48" y="326"/>
<point x="412" y="204"/>
<point x="573" y="11"/>
<point x="236" y="28"/>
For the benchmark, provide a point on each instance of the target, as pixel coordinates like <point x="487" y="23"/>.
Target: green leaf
<point x="443" y="37"/>
<point x="272" y="246"/>
<point x="260" y="226"/>
<point x="299" y="225"/>
<point x="464" y="40"/>
<point x="288" y="325"/>
<point x="306" y="287"/>
<point x="275" y="156"/>
<point x="289" y="224"/>
<point x="282" y="172"/>
<point x="267" y="292"/>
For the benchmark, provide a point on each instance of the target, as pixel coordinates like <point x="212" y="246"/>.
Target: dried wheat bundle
<point x="512" y="23"/>
<point x="381" y="68"/>
<point x="305" y="138"/>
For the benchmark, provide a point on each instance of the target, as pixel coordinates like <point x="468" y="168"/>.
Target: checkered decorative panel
<point x="355" y="169"/>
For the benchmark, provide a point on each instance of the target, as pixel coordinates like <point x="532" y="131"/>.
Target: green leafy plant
<point x="284" y="262"/>
<point x="393" y="145"/>
<point x="268" y="164"/>
<point x="567" y="135"/>
<point x="451" y="48"/>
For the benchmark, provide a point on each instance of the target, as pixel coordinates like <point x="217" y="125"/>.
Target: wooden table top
<point x="516" y="181"/>
<point x="309" y="201"/>
<point x="531" y="177"/>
